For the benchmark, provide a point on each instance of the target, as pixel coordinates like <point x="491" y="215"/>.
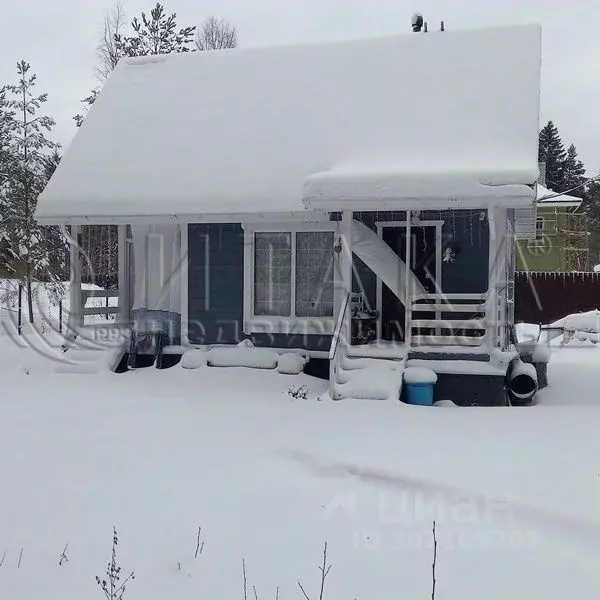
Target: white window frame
<point x="438" y="224"/>
<point x="291" y="325"/>
<point x="540" y="225"/>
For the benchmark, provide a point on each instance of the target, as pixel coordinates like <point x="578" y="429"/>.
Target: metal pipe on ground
<point x="521" y="382"/>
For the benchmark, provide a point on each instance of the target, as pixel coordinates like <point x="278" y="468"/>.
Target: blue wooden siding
<point x="216" y="283"/>
<point x="465" y="232"/>
<point x="216" y="276"/>
<point x="216" y="291"/>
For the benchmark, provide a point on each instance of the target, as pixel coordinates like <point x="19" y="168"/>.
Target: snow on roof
<point x="546" y="196"/>
<point x="239" y="131"/>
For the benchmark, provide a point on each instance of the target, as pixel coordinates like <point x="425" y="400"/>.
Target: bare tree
<point x="108" y="54"/>
<point x="216" y="34"/>
<point x="434" y="564"/>
<point x="107" y="51"/>
<point x="324" y="568"/>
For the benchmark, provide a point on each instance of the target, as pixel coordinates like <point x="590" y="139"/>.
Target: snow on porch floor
<point x="270" y="478"/>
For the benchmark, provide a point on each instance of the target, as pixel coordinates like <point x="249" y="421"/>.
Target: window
<point x="273" y="274"/>
<point x="539" y="224"/>
<point x="314" y="274"/>
<point x="292" y="276"/>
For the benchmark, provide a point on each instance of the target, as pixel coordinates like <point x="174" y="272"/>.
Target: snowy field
<point x="268" y="478"/>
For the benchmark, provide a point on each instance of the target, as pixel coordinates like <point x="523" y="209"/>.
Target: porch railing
<point x="105" y="311"/>
<point x="448" y="320"/>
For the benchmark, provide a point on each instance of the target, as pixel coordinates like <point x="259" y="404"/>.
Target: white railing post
<point x="346" y="270"/>
<point x="123" y="285"/>
<point x="75" y="314"/>
<point x="338" y="345"/>
<point x="407" y="281"/>
<point x="492" y="303"/>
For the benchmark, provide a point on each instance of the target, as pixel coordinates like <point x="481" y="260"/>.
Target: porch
<point x="392" y="316"/>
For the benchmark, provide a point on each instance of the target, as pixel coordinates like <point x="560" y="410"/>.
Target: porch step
<point x="380" y="350"/>
<point x="368" y="379"/>
<point x="447" y="308"/>
<point x="448" y="324"/>
<point x="446" y="340"/>
<point x="449" y="296"/>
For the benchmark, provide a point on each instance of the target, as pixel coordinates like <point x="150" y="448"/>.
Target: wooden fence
<point x="542" y="297"/>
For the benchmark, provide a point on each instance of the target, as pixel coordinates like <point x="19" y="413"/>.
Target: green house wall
<point x="547" y="253"/>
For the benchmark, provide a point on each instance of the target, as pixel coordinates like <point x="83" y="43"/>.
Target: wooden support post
<point x="75" y="314"/>
<point x="346" y="270"/>
<point x="124" y="299"/>
<point x="407" y="280"/>
<point x="492" y="303"/>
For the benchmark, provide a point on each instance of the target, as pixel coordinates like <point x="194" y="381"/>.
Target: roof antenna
<point x="417" y="22"/>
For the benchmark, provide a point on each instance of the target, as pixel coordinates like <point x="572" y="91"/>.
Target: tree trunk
<point x="29" y="292"/>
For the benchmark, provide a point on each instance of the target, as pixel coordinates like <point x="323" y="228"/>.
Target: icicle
<point x="453" y="217"/>
<point x="471" y="217"/>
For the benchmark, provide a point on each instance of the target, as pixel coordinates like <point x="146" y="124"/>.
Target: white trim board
<point x="184" y="286"/>
<point x="273" y="217"/>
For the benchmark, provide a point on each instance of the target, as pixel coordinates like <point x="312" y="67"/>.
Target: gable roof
<point x="240" y="131"/>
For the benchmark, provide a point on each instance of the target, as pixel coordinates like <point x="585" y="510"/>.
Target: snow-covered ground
<point x="270" y="478"/>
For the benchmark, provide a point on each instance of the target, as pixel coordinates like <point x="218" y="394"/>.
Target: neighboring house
<point x="256" y="189"/>
<point x="560" y="243"/>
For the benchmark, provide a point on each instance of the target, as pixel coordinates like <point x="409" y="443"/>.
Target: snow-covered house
<point x="560" y="241"/>
<point x="276" y="195"/>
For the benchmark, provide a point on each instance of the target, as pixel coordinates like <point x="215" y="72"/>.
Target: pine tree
<point x="552" y="152"/>
<point x="52" y="163"/>
<point x="30" y="246"/>
<point x="108" y="54"/>
<point x="592" y="209"/>
<point x="156" y="35"/>
<point x="87" y="102"/>
<point x="573" y="170"/>
<point x="6" y="125"/>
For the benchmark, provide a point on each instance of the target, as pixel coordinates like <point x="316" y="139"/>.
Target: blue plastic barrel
<point x="420" y="394"/>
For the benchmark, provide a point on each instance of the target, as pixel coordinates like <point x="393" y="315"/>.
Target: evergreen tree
<point x="87" y="102"/>
<point x="592" y="209"/>
<point x="30" y="246"/>
<point x="157" y="34"/>
<point x="6" y="124"/>
<point x="52" y="163"/>
<point x="573" y="170"/>
<point x="552" y="152"/>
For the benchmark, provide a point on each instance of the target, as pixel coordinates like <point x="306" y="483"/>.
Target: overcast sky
<point x="58" y="37"/>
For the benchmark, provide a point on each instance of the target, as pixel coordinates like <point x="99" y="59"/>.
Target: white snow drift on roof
<point x="238" y="131"/>
<point x="545" y="196"/>
<point x="378" y="190"/>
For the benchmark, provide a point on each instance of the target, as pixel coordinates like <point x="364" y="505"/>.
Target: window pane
<point x="314" y="274"/>
<point x="273" y="274"/>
